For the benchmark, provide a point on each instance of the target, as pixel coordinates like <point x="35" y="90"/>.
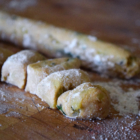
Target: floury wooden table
<point x="25" y="116"/>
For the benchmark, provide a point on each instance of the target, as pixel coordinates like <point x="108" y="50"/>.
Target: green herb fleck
<point x="14" y="17"/>
<point x="69" y="54"/>
<point x="75" y="112"/>
<point x="69" y="59"/>
<point x="121" y="63"/>
<point x="78" y="57"/>
<point x="72" y="108"/>
<point x="53" y="64"/>
<point x="60" y="108"/>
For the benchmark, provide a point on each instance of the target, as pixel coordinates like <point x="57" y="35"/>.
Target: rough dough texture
<point x="96" y="55"/>
<point x="14" y="68"/>
<point x="4" y="54"/>
<point x="87" y="101"/>
<point x="51" y="87"/>
<point x="37" y="71"/>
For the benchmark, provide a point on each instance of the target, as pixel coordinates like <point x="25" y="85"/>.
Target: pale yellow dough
<point x="96" y="55"/>
<point x="51" y="87"/>
<point x="37" y="71"/>
<point x="14" y="68"/>
<point x="86" y="101"/>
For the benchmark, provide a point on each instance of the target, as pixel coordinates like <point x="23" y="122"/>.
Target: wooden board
<point x="25" y="116"/>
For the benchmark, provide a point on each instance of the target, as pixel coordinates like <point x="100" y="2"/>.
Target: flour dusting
<point x="13" y="114"/>
<point x="21" y="5"/>
<point x="124" y="102"/>
<point x="17" y="103"/>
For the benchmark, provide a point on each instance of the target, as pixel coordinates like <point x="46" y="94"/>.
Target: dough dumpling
<point x="38" y="71"/>
<point x="14" y="68"/>
<point x="51" y="87"/>
<point x="86" y="101"/>
<point x="4" y="54"/>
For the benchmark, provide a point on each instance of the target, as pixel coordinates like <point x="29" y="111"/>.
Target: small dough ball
<point x="51" y="87"/>
<point x="4" y="54"/>
<point x="87" y="101"/>
<point x="14" y="69"/>
<point x="38" y="71"/>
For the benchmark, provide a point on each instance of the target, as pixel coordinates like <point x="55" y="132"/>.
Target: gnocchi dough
<point x="86" y="101"/>
<point x="96" y="55"/>
<point x="4" y="54"/>
<point x="14" y="68"/>
<point x="37" y="71"/>
<point x="51" y="87"/>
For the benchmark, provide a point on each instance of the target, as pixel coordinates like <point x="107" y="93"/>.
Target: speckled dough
<point x="96" y="55"/>
<point x="86" y="101"/>
<point x="14" y="68"/>
<point x="37" y="71"/>
<point x="51" y="87"/>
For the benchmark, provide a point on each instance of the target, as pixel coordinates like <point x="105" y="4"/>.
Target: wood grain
<point x="25" y="116"/>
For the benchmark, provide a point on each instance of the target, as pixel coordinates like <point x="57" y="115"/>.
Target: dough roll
<point x="96" y="55"/>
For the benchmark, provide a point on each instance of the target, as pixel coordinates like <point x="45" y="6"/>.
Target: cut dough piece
<point x="38" y="71"/>
<point x="4" y="54"/>
<point x="14" y="69"/>
<point x="87" y="101"/>
<point x="51" y="87"/>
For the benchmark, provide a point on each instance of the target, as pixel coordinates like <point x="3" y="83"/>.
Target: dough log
<point x="55" y="42"/>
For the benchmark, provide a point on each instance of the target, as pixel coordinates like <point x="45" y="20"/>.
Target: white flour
<point x="124" y="102"/>
<point x="21" y="5"/>
<point x="9" y="102"/>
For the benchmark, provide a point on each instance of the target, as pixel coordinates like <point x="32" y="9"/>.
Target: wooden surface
<point x="25" y="116"/>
